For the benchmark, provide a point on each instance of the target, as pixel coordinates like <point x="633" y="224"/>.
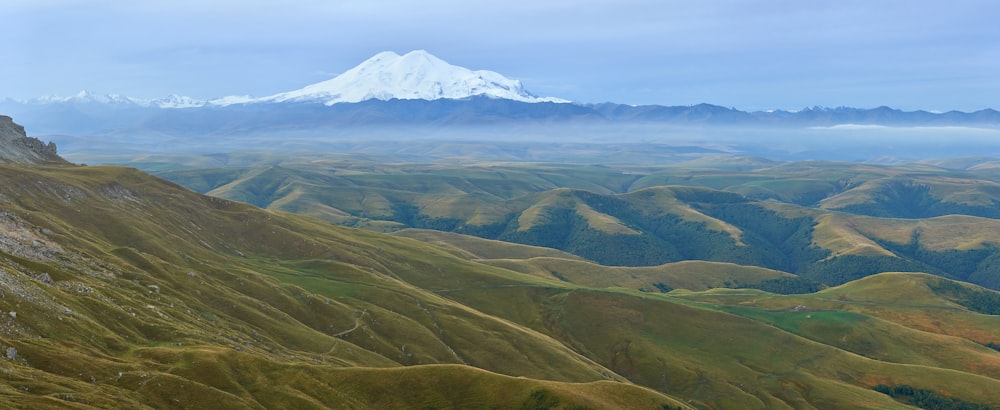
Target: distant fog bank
<point x="601" y="144"/>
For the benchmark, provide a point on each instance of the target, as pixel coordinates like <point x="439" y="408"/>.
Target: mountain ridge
<point x="813" y="115"/>
<point x="98" y="119"/>
<point x="420" y="75"/>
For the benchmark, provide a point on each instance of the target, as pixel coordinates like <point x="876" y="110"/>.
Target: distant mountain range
<point x="410" y="90"/>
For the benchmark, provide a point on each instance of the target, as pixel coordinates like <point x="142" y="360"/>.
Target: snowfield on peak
<point x="177" y="101"/>
<point x="414" y="75"/>
<point x="87" y="97"/>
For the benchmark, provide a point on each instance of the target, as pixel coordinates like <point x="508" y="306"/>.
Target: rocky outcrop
<point x="17" y="148"/>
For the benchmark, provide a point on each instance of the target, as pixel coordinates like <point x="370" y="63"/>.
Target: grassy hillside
<point x="116" y="278"/>
<point x="118" y="289"/>
<point x="894" y="317"/>
<point x="925" y="189"/>
<point x="477" y="248"/>
<point x="732" y="359"/>
<point x="747" y="211"/>
<point x="920" y="197"/>
<point x="691" y="275"/>
<point x="552" y="264"/>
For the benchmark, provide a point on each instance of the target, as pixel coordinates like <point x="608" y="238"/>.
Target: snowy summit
<point x="414" y="75"/>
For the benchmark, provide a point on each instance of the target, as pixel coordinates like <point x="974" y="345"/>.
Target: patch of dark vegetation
<point x="908" y="199"/>
<point x="845" y="268"/>
<point x="977" y="300"/>
<point x="662" y="239"/>
<point x="977" y="266"/>
<point x="807" y="198"/>
<point x="559" y="276"/>
<point x="567" y="231"/>
<point x="486" y="231"/>
<point x="782" y="243"/>
<point x="769" y="239"/>
<point x="411" y="216"/>
<point x="540" y="400"/>
<point x="898" y="199"/>
<point x="708" y="196"/>
<point x="662" y="287"/>
<point x="687" y="240"/>
<point x="545" y="400"/>
<point x="928" y="399"/>
<point x="786" y="285"/>
<point x="993" y="345"/>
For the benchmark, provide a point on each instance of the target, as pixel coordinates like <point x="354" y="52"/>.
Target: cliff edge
<point x="17" y="148"/>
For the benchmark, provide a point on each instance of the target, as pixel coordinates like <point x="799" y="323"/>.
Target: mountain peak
<point x="85" y="97"/>
<point x="417" y="74"/>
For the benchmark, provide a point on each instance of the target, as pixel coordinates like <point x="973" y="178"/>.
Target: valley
<point x="827" y="222"/>
<point x="335" y="281"/>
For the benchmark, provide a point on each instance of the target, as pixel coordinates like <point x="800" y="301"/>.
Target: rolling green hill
<point x="123" y="290"/>
<point x="115" y="278"/>
<point x="827" y="222"/>
<point x="965" y="186"/>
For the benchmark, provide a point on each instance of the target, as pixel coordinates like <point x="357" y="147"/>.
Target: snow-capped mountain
<point x="416" y="75"/>
<point x="84" y="97"/>
<point x="175" y="101"/>
<point x="87" y="97"/>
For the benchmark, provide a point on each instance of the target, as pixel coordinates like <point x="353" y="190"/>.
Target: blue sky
<point x="917" y="54"/>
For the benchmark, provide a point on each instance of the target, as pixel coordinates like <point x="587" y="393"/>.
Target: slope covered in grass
<point x="721" y="209"/>
<point x="120" y="289"/>
<point x="117" y="278"/>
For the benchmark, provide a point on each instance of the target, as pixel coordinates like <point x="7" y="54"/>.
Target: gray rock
<point x="11" y="353"/>
<point x="44" y="278"/>
<point x="17" y="148"/>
